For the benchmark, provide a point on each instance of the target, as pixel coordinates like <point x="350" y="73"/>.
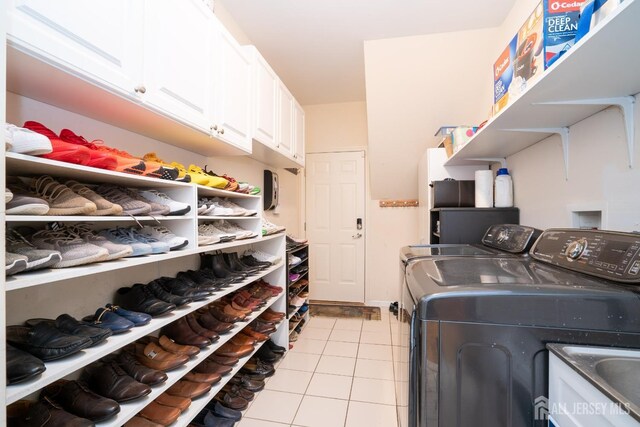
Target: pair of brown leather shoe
<point x="153" y="356"/>
<point x="234" y="350"/>
<point x="272" y="316"/>
<point x="253" y="334"/>
<point x="187" y="331"/>
<point x="171" y="346"/>
<point x="211" y="322"/>
<point x="165" y="409"/>
<point x="189" y="389"/>
<point x="229" y="310"/>
<point x="44" y="413"/>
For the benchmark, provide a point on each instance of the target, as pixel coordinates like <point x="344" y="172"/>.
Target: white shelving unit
<point x="106" y="277"/>
<point x="595" y="74"/>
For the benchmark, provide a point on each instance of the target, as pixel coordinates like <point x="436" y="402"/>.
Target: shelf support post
<point x="626" y="104"/>
<point x="501" y="160"/>
<point x="563" y="132"/>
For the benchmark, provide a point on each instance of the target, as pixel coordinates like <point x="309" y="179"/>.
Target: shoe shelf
<point x="70" y="218"/>
<point x="199" y="404"/>
<point x="61" y="368"/>
<point x="302" y="276"/>
<point x="296" y="324"/>
<point x="216" y="192"/>
<point x="25" y="165"/>
<point x="46" y="276"/>
<point x="297" y="248"/>
<point x="227" y="218"/>
<point x="129" y="410"/>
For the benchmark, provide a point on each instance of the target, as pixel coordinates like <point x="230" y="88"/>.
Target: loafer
<point x="232" y="401"/>
<point x="224" y="360"/>
<point x="222" y="411"/>
<point x="139" y="298"/>
<point x="241" y="339"/>
<point x="275" y="348"/>
<point x="246" y="382"/>
<point x="182" y="403"/>
<point x="209" y="321"/>
<point x="160" y="414"/>
<point x="22" y="366"/>
<point x="207" y="418"/>
<point x="233" y="350"/>
<point x="257" y="366"/>
<point x="138" y="319"/>
<point x="106" y="319"/>
<point x="190" y="389"/>
<point x="159" y="292"/>
<point x="46" y="342"/>
<point x="197" y="377"/>
<point x="221" y="316"/>
<point x="47" y="414"/>
<point x="211" y="367"/>
<point x="198" y="329"/>
<point x="263" y="327"/>
<point x="155" y="357"/>
<point x="109" y="380"/>
<point x="182" y="288"/>
<point x="267" y="355"/>
<point x="181" y="332"/>
<point x="237" y="390"/>
<point x="79" y="400"/>
<point x="138" y="371"/>
<point x="167" y="344"/>
<point x="69" y="325"/>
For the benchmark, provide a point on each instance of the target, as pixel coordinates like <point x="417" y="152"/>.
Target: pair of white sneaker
<point x="25" y="141"/>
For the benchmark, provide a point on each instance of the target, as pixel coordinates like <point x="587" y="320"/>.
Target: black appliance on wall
<point x="477" y="327"/>
<point x="467" y="225"/>
<point x="271" y="190"/>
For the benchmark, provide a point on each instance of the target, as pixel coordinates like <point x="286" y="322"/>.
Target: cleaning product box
<point x="548" y="32"/>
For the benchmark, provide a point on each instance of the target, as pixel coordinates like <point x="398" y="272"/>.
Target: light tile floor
<point x="339" y="374"/>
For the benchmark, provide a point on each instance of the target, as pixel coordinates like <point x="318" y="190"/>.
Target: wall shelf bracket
<point x="563" y="132"/>
<point x="626" y="104"/>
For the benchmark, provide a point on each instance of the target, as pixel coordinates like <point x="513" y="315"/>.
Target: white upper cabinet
<point x="284" y="134"/>
<point x="232" y="91"/>
<point x="265" y="102"/>
<point x="100" y="41"/>
<point x="178" y="51"/>
<point x="298" y="134"/>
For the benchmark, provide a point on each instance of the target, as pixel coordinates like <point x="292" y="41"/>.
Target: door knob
<point x="140" y="89"/>
<point x="221" y="131"/>
<point x="357" y="235"/>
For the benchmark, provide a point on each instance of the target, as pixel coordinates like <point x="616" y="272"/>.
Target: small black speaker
<point x="271" y="190"/>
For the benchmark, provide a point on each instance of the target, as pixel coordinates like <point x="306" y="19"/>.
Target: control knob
<point x="576" y="249"/>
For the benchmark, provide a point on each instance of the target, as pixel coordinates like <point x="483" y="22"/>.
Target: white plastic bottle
<point x="504" y="189"/>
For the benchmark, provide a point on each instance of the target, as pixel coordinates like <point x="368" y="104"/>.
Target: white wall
<point x="414" y="86"/>
<point x="21" y="109"/>
<point x="343" y="127"/>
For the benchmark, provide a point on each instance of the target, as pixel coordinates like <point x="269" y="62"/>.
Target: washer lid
<point x="519" y="292"/>
<point x="409" y="253"/>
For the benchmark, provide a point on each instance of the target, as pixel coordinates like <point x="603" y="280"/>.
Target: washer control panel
<point x="607" y="254"/>
<point x="511" y="238"/>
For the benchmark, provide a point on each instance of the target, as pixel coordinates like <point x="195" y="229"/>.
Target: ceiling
<point x="316" y="47"/>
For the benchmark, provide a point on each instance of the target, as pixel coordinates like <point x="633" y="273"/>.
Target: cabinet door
<point x="100" y="41"/>
<point x="265" y="102"/>
<point x="285" y="123"/>
<point x="298" y="135"/>
<point x="232" y="91"/>
<point x="177" y="62"/>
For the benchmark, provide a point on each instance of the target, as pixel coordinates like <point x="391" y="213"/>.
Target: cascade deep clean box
<point x="548" y="31"/>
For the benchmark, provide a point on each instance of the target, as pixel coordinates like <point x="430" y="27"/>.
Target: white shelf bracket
<point x="501" y="160"/>
<point x="563" y="132"/>
<point x="626" y="104"/>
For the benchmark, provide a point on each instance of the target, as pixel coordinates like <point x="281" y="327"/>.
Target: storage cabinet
<point x="468" y="225"/>
<point x="285" y="133"/>
<point x="98" y="41"/>
<point x="298" y="136"/>
<point x="265" y="101"/>
<point x="178" y="51"/>
<point x="297" y="285"/>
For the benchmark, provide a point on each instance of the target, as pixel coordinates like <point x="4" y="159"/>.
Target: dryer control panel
<point x="607" y="254"/>
<point x="511" y="238"/>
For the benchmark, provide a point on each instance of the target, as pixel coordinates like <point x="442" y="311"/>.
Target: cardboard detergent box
<point x="548" y="31"/>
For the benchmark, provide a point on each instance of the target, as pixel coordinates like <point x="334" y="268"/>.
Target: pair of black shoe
<point x="217" y="415"/>
<point x="143" y="299"/>
<point x="228" y="266"/>
<point x="270" y="352"/>
<point x="49" y="339"/>
<point x="254" y="262"/>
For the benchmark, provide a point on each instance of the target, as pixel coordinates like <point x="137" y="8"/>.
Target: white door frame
<point x="303" y="198"/>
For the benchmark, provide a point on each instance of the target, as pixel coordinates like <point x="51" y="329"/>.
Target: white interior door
<point x="335" y="196"/>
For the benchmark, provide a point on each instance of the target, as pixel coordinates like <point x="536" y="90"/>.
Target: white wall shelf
<point x="61" y="368"/>
<point x="70" y="218"/>
<point x="129" y="410"/>
<point x="216" y="192"/>
<point x="571" y="90"/>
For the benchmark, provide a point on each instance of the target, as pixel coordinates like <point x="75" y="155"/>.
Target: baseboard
<point x="381" y="304"/>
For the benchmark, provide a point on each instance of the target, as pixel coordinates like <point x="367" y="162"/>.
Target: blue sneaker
<point x="125" y="236"/>
<point x="138" y="319"/>
<point x="157" y="246"/>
